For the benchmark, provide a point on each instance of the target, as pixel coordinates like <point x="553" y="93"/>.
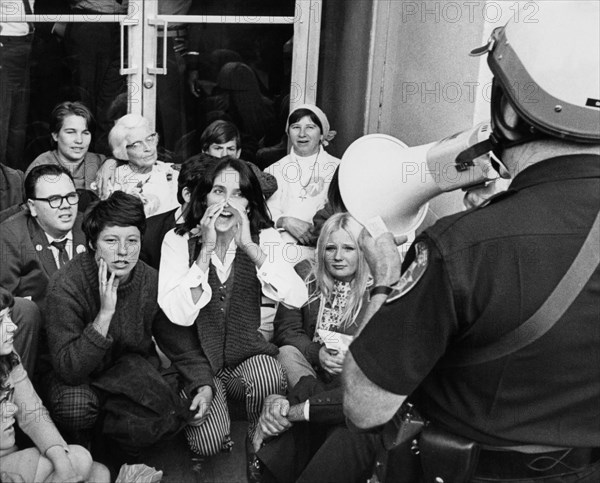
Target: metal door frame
<point x="142" y="24"/>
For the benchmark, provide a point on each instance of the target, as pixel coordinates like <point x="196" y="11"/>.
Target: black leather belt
<point x="512" y="464"/>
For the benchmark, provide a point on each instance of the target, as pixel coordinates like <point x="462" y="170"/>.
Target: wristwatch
<point x="380" y="289"/>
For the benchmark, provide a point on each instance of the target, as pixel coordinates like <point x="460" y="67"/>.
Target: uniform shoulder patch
<point x="413" y="273"/>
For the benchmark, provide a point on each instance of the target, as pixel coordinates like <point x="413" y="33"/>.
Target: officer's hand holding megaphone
<point x="382" y="256"/>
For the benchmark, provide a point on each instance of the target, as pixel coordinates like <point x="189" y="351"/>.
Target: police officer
<point x="455" y="340"/>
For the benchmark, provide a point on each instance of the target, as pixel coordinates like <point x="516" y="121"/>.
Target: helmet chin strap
<point x="505" y="135"/>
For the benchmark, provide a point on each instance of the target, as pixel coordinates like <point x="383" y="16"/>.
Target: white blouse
<point x="157" y="189"/>
<point x="279" y="281"/>
<point x="302" y="184"/>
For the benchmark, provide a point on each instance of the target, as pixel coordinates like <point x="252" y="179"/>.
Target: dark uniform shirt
<point x="488" y="271"/>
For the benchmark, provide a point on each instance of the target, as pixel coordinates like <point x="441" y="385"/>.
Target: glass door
<point x="72" y="51"/>
<point x="180" y="63"/>
<point x="244" y="62"/>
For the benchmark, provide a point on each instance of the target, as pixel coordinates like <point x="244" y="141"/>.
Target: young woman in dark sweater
<point x="100" y="311"/>
<point x="213" y="272"/>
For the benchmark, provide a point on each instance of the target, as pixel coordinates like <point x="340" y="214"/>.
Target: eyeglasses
<point x="56" y="201"/>
<point x="7" y="396"/>
<point x="149" y="142"/>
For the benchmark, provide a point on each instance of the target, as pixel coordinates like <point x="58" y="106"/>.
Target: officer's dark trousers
<point x="302" y="455"/>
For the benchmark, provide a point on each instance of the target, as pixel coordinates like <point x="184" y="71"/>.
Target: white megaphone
<point x="379" y="176"/>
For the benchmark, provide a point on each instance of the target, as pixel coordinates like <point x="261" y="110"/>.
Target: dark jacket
<point x="296" y="327"/>
<point x="11" y="187"/>
<point x="157" y="227"/>
<point x="27" y="260"/>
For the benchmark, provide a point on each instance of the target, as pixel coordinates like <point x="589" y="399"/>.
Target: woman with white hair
<point x="134" y="141"/>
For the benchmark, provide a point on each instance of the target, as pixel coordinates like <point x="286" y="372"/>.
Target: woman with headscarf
<point x="304" y="175"/>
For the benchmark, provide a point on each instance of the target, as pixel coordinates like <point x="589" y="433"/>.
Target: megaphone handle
<point x="465" y="158"/>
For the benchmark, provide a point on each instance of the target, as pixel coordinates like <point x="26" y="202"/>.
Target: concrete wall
<point x="344" y="68"/>
<point x="403" y="68"/>
<point x="428" y="81"/>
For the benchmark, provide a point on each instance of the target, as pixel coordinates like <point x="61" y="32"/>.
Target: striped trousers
<point x="252" y="381"/>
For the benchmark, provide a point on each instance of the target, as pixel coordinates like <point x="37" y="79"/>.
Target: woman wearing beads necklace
<point x="303" y="176"/>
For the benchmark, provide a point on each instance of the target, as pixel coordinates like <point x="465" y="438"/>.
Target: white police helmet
<point x="546" y="68"/>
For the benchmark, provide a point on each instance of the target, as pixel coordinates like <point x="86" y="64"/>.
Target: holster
<point x="447" y="457"/>
<point x="406" y="424"/>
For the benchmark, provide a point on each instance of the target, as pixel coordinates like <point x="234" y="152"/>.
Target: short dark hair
<point x="300" y="113"/>
<point x="220" y="132"/>
<point x="6" y="299"/>
<point x="119" y="209"/>
<point x="8" y="361"/>
<point x="191" y="173"/>
<point x="64" y="109"/>
<point x="40" y="171"/>
<point x="258" y="213"/>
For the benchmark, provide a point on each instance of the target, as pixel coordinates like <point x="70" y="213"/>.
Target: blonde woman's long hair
<point x="324" y="281"/>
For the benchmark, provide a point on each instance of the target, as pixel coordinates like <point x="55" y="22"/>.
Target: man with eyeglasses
<point x="34" y="244"/>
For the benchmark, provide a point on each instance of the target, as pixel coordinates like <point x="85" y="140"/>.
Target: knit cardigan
<point x="228" y="327"/>
<point x="79" y="353"/>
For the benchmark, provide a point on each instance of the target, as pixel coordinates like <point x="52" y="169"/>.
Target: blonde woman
<point x="309" y="338"/>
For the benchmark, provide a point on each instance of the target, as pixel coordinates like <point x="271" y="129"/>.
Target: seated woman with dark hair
<point x="71" y="125"/>
<point x="213" y="271"/>
<point x="51" y="459"/>
<point x="100" y="313"/>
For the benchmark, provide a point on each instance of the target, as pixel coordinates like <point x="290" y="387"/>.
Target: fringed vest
<point x="228" y="325"/>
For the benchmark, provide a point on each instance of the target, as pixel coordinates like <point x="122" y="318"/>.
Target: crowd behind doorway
<point x="236" y="72"/>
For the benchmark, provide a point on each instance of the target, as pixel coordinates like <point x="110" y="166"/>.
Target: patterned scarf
<point x="331" y="310"/>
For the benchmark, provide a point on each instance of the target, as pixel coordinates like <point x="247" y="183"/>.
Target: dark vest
<point x="228" y="325"/>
